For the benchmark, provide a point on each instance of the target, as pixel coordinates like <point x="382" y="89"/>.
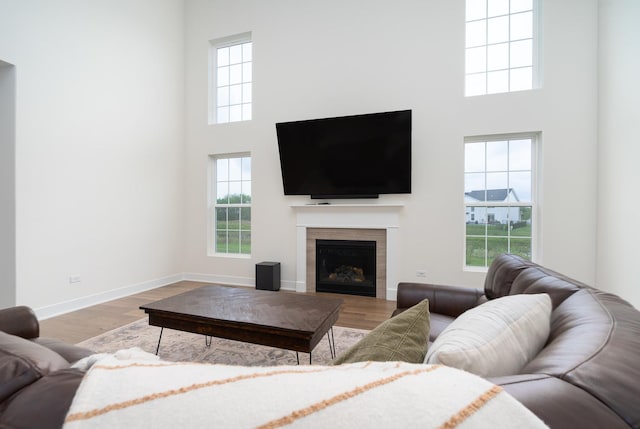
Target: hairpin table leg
<point x="332" y="343"/>
<point x="159" y="339"/>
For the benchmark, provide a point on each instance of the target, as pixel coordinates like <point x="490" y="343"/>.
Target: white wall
<point x="99" y="145"/>
<point x="107" y="190"/>
<point x="331" y="58"/>
<point x="7" y="185"/>
<point x="619" y="151"/>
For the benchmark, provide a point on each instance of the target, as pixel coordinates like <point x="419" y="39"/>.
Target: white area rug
<point x="178" y="346"/>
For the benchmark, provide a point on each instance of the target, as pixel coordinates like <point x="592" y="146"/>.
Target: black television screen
<point x="358" y="156"/>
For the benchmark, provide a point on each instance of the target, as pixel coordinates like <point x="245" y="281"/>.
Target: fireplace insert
<point x="346" y="266"/>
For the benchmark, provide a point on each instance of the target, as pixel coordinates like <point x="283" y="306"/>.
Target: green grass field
<point x="498" y="240"/>
<point x="233" y="242"/>
<point x="498" y="230"/>
<point x="233" y="230"/>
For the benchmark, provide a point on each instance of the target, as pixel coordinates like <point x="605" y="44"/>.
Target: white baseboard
<point x="79" y="303"/>
<point x="213" y="278"/>
<point x="233" y="280"/>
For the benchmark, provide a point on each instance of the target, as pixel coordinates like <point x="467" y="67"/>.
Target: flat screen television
<point x="358" y="156"/>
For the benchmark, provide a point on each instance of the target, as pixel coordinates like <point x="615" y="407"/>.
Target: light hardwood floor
<point x="356" y="312"/>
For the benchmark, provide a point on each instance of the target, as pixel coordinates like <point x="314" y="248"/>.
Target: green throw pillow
<point x="404" y="337"/>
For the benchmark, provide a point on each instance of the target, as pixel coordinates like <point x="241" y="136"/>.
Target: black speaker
<point x="268" y="275"/>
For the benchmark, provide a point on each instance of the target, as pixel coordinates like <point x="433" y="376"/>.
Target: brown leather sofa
<point x="37" y="382"/>
<point x="588" y="373"/>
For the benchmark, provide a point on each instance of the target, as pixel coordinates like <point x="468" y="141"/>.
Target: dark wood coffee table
<point x="277" y="319"/>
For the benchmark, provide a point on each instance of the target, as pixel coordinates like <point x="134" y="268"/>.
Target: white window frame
<point x="536" y="215"/>
<point x="213" y="205"/>
<point x="536" y="79"/>
<point x="246" y="107"/>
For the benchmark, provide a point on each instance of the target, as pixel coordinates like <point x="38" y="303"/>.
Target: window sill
<point x="471" y="269"/>
<point x="230" y="255"/>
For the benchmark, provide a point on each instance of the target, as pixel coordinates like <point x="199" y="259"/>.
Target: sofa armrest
<point x="20" y="321"/>
<point x="448" y="300"/>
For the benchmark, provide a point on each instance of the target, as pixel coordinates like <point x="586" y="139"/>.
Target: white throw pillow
<point x="496" y="338"/>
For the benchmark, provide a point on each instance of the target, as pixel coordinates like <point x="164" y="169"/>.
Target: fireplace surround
<point x="377" y="236"/>
<point x="344" y="221"/>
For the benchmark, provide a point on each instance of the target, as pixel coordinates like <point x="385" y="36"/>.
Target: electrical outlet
<point x="421" y="274"/>
<point x="74" y="279"/>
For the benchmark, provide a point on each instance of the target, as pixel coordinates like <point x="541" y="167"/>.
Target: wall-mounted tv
<point x="358" y="156"/>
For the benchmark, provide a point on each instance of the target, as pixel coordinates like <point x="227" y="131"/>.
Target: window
<point x="500" y="46"/>
<point x="499" y="197"/>
<point x="231" y="81"/>
<point x="230" y="207"/>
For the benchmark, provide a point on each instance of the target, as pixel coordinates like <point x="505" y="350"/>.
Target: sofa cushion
<point x="69" y="352"/>
<point x="50" y="395"/>
<point x="44" y="359"/>
<point x="437" y="324"/>
<point x="496" y="338"/>
<point x="401" y="338"/>
<point x="22" y="362"/>
<point x="560" y="404"/>
<point x="15" y="373"/>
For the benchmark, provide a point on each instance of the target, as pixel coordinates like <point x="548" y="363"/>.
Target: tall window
<point x="231" y="204"/>
<point x="500" y="46"/>
<point x="499" y="197"/>
<point x="232" y="79"/>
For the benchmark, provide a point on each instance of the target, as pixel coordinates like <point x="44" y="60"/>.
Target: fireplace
<point x="346" y="266"/>
<point x="379" y="236"/>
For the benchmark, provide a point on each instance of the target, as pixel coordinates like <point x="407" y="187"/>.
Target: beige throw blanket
<point x="132" y="389"/>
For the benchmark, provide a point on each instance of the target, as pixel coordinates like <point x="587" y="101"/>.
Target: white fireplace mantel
<point x="352" y="216"/>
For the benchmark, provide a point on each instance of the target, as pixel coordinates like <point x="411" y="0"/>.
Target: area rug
<point x="178" y="346"/>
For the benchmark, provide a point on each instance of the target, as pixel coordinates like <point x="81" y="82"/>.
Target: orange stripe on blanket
<point x="470" y="409"/>
<point x="304" y="412"/>
<point x="160" y="364"/>
<point x="144" y="365"/>
<point x="173" y="392"/>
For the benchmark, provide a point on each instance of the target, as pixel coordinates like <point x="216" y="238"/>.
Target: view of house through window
<point x="499" y="198"/>
<point x="231" y="204"/>
<point x="500" y="46"/>
<point x="232" y="79"/>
